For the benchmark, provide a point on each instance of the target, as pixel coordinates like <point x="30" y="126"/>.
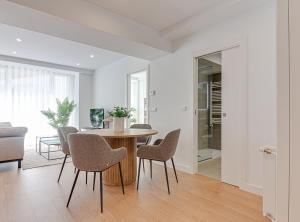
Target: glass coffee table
<point x="49" y="141"/>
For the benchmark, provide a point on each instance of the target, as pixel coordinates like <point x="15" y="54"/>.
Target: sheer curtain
<point x="25" y="90"/>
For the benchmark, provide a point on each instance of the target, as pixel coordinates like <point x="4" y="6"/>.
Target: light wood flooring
<point x="210" y="168"/>
<point x="35" y="196"/>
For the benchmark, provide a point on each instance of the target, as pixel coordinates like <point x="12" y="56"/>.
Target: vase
<point x="119" y="124"/>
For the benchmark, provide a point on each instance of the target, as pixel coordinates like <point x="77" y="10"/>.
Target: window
<point x="25" y="90"/>
<point x="138" y="96"/>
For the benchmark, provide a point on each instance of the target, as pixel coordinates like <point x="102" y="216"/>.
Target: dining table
<point x="127" y="139"/>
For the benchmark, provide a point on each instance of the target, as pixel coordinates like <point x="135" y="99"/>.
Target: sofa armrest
<point x="13" y="132"/>
<point x="5" y="124"/>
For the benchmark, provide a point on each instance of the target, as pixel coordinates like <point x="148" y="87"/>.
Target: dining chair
<point x="63" y="133"/>
<point x="143" y="140"/>
<point x="162" y="152"/>
<point x="91" y="153"/>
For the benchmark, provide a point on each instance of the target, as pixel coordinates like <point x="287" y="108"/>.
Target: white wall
<point x="110" y="85"/>
<point x="86" y="95"/>
<point x="172" y="78"/>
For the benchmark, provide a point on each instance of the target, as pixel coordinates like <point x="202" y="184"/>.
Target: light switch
<point x="154" y="109"/>
<point x="152" y="93"/>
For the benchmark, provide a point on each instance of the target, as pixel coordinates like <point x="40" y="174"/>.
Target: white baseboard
<point x="180" y="167"/>
<point x="251" y="188"/>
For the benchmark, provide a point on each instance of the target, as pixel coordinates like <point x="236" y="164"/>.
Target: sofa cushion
<point x="13" y="131"/>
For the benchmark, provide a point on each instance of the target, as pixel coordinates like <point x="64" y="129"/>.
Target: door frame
<point x="243" y="154"/>
<point x="127" y="99"/>
<point x="283" y="112"/>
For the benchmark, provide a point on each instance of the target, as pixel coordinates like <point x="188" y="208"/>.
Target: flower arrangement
<point x="121" y="112"/>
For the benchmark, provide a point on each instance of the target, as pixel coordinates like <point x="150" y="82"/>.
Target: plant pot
<point x="119" y="124"/>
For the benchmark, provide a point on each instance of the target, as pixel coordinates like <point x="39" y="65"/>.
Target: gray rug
<point x="33" y="160"/>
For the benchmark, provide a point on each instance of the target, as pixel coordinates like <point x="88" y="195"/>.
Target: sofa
<point x="11" y="143"/>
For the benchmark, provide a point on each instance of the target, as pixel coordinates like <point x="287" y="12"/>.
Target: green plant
<point x="119" y="111"/>
<point x="62" y="116"/>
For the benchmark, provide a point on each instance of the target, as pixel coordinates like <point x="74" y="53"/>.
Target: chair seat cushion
<point x="150" y="152"/>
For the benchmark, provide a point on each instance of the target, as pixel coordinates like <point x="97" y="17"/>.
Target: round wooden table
<point x="126" y="139"/>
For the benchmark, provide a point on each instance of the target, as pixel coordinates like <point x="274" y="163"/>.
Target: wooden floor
<point x="34" y="195"/>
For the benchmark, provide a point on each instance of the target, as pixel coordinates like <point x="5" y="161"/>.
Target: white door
<point x="294" y="110"/>
<point x="232" y="115"/>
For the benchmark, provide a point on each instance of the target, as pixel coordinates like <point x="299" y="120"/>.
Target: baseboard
<point x="251" y="188"/>
<point x="179" y="167"/>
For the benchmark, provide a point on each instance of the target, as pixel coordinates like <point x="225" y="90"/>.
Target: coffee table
<point x="49" y="141"/>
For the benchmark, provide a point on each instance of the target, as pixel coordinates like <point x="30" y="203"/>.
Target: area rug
<point x="33" y="160"/>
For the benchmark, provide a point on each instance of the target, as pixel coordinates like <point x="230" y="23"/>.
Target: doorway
<point x="221" y="115"/>
<point x="137" y="96"/>
<point x="209" y="115"/>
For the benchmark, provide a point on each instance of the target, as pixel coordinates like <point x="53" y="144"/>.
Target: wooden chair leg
<point x="139" y="170"/>
<point x="174" y="169"/>
<point x="101" y="192"/>
<point x="121" y="176"/>
<point x="166" y="171"/>
<point x="150" y="168"/>
<point x="94" y="181"/>
<point x="62" y="167"/>
<point x="70" y="196"/>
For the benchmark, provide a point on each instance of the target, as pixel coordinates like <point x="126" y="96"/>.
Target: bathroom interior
<point x="210" y="115"/>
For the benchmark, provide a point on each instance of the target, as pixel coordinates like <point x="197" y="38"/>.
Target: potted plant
<point x="62" y="116"/>
<point x="119" y="114"/>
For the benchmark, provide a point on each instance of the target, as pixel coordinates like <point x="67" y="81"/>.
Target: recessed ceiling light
<point x="92" y="56"/>
<point x="78" y="64"/>
<point x="18" y="40"/>
<point x="14" y="52"/>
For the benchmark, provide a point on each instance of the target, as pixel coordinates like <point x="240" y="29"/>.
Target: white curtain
<point x="25" y="90"/>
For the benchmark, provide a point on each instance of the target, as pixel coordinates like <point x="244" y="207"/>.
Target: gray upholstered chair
<point x="92" y="153"/>
<point x="162" y="152"/>
<point x="63" y="133"/>
<point x="143" y="140"/>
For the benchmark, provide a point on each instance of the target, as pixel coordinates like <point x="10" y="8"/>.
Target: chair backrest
<point x="89" y="152"/>
<point x="169" y="144"/>
<point x="143" y="139"/>
<point x="63" y="133"/>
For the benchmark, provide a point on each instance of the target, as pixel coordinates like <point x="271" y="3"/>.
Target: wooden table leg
<point x="111" y="176"/>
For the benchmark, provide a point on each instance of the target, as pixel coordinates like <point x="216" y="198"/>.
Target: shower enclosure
<point x="209" y="107"/>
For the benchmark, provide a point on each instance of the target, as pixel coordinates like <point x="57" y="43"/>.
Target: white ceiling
<point x="140" y="28"/>
<point x="158" y="14"/>
<point x="41" y="47"/>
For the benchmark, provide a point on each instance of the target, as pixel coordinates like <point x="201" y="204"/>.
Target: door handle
<point x="268" y="150"/>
